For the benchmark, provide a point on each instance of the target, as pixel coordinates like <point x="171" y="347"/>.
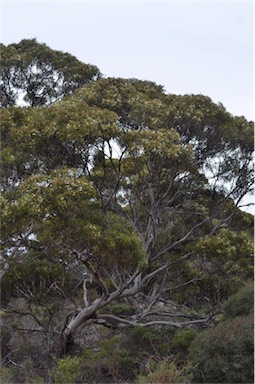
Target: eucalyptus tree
<point x="130" y="188"/>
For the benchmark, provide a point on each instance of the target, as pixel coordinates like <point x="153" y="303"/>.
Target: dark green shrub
<point x="183" y="339"/>
<point x="142" y="340"/>
<point x="224" y="354"/>
<point x="242" y="303"/>
<point x="141" y="333"/>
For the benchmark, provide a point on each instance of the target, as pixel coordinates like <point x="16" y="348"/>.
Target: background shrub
<point x="224" y="354"/>
<point x="242" y="303"/>
<point x="165" y="372"/>
<point x="68" y="370"/>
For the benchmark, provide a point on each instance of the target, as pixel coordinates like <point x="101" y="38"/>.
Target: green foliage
<point x="118" y="243"/>
<point x="139" y="100"/>
<point x="224" y="354"/>
<point x="163" y="142"/>
<point x="57" y="203"/>
<point x="36" y="277"/>
<point x="141" y="333"/>
<point x="7" y="374"/>
<point x="243" y="221"/>
<point x="42" y="74"/>
<point x="224" y="262"/>
<point x="242" y="303"/>
<point x="116" y="359"/>
<point x="111" y="360"/>
<point x="226" y="245"/>
<point x="182" y="339"/>
<point x="165" y="372"/>
<point x="68" y="370"/>
<point x="148" y="340"/>
<point x="121" y="309"/>
<point x="207" y="121"/>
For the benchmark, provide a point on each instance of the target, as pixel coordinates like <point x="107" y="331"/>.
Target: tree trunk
<point x="84" y="315"/>
<point x="90" y="311"/>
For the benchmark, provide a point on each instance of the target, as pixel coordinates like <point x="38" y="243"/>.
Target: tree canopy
<point x="36" y="75"/>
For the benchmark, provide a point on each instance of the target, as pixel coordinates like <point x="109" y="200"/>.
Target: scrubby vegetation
<point x="224" y="354"/>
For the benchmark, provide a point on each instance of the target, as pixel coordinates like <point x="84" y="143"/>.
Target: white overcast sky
<point x="199" y="47"/>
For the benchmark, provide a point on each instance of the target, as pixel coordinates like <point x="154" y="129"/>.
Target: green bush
<point x="7" y="376"/>
<point x="115" y="359"/>
<point x="224" y="354"/>
<point x="183" y="339"/>
<point x="165" y="372"/>
<point x="142" y="340"/>
<point x="141" y="333"/>
<point x="68" y="370"/>
<point x="240" y="304"/>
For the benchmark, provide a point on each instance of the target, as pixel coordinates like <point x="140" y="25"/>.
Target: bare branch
<point x="184" y="284"/>
<point x="180" y="241"/>
<point x="30" y="330"/>
<point x="134" y="323"/>
<point x="87" y="263"/>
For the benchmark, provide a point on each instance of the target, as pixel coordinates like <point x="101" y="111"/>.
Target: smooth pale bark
<point x="90" y="311"/>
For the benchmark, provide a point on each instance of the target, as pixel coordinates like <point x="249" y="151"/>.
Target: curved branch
<point x="180" y="241"/>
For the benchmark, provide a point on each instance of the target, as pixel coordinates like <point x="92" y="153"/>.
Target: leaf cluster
<point x="38" y="75"/>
